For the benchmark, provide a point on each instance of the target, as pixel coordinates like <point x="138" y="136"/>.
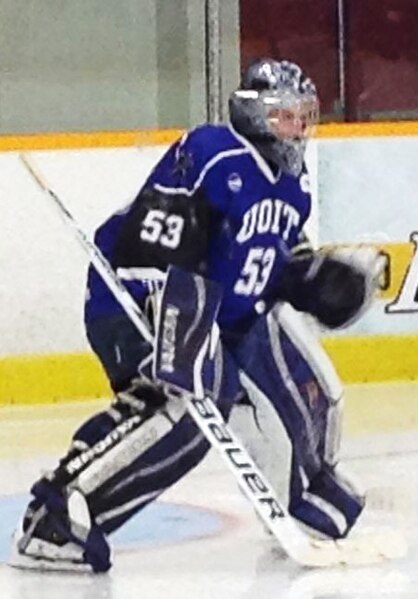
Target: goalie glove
<point x="335" y="286"/>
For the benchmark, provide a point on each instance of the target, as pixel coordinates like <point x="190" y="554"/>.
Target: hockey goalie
<point x="223" y="213"/>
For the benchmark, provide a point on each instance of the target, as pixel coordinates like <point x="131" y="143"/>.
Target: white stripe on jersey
<point x="203" y="173"/>
<point x="258" y="159"/>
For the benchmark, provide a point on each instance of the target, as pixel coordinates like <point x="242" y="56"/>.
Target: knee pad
<point x="129" y="438"/>
<point x="305" y="340"/>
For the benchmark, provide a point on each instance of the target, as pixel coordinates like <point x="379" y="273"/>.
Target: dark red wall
<point x="381" y="63"/>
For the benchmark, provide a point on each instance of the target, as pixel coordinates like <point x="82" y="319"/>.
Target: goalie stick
<point x="302" y="548"/>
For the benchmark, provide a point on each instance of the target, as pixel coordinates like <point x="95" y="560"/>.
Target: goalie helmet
<point x="276" y="108"/>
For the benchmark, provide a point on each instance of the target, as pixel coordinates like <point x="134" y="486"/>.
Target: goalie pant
<point x="288" y="413"/>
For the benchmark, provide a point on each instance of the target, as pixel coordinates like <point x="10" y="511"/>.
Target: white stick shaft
<point x="302" y="548"/>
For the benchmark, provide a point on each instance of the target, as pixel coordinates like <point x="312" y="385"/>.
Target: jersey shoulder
<point x="196" y="154"/>
<point x="210" y="142"/>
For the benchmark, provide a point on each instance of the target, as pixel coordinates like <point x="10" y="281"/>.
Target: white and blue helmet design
<point x="269" y="90"/>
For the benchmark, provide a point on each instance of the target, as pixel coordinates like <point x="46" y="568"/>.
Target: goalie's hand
<point x="335" y="285"/>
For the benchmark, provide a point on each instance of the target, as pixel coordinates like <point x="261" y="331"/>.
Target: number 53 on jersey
<point x="256" y="271"/>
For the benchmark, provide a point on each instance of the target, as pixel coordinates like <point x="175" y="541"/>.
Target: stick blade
<point x="373" y="547"/>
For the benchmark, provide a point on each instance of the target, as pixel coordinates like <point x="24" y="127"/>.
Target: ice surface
<point x="202" y="540"/>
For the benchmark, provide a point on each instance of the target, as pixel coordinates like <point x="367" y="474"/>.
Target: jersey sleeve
<point x="171" y="218"/>
<point x="180" y="170"/>
<point x="194" y="164"/>
<point x="163" y="229"/>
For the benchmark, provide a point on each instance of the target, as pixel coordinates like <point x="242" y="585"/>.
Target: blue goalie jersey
<point x="258" y="220"/>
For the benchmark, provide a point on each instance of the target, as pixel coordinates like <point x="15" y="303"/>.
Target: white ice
<point x="225" y="552"/>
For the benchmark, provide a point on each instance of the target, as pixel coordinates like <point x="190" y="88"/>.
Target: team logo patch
<point x="234" y="182"/>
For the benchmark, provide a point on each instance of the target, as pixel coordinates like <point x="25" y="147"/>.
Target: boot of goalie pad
<point x="297" y="405"/>
<point x="328" y="504"/>
<point x="57" y="533"/>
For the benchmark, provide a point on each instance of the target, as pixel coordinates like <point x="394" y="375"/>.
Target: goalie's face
<point x="289" y="117"/>
<point x="276" y="108"/>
